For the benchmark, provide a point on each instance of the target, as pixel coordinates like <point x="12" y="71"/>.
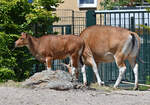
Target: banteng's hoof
<point x="135" y="88"/>
<point x="101" y="83"/>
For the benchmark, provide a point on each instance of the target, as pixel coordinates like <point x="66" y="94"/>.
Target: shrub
<point x="148" y="80"/>
<point x="6" y="74"/>
<point x="18" y="16"/>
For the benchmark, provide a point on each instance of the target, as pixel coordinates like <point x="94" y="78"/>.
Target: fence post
<point x="90" y="18"/>
<point x="132" y="24"/>
<point x="72" y="22"/>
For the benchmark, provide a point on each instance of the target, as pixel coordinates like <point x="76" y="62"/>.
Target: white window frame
<point x="92" y="5"/>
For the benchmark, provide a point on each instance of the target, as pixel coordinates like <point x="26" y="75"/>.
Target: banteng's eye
<point x="22" y="39"/>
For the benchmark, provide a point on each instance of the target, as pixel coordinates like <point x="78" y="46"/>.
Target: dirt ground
<point x="25" y="96"/>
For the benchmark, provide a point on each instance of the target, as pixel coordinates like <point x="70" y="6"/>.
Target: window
<point x="87" y="3"/>
<point x="30" y="1"/>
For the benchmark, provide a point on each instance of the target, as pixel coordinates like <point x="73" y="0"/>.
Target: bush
<point x="148" y="80"/>
<point x="18" y="16"/>
<point x="6" y="74"/>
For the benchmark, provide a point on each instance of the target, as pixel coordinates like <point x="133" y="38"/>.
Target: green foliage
<point x="148" y="9"/>
<point x="145" y="26"/>
<point x="6" y="74"/>
<point x="6" y="58"/>
<point x="143" y="88"/>
<point x="48" y="4"/>
<point x="109" y="4"/>
<point x="18" y="16"/>
<point x="148" y="80"/>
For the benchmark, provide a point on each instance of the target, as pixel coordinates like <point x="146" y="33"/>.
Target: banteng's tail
<point x="131" y="46"/>
<point x="81" y="60"/>
<point x="81" y="55"/>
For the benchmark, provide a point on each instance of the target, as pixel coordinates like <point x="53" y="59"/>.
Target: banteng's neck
<point x="33" y="44"/>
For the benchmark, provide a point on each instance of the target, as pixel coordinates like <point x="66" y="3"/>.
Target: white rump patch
<point x="127" y="46"/>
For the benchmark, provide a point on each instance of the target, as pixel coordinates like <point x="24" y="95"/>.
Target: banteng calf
<point x="51" y="47"/>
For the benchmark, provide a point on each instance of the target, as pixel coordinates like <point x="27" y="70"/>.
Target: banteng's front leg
<point x="48" y="63"/>
<point x="90" y="61"/>
<point x="95" y="69"/>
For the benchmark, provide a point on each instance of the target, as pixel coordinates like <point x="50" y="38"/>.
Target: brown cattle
<point x="108" y="44"/>
<point x="51" y="47"/>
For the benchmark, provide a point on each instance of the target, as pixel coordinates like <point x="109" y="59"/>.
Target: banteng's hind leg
<point x="134" y="66"/>
<point x="74" y="64"/>
<point x="84" y="75"/>
<point x="122" y="68"/>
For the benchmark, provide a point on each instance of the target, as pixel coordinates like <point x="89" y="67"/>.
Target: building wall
<point x="73" y="5"/>
<point x="69" y="4"/>
<point x="67" y="10"/>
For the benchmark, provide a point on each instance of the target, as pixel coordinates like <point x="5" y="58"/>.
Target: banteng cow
<point x="108" y="44"/>
<point x="51" y="47"/>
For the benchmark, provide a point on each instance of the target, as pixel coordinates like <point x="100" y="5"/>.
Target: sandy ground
<point x="26" y="96"/>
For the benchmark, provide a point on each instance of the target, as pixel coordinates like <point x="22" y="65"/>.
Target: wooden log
<point x="133" y="83"/>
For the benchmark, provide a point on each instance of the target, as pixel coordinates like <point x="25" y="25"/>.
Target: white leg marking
<point x="73" y="70"/>
<point x="84" y="75"/>
<point x="71" y="62"/>
<point x="135" y="70"/>
<point x="94" y="66"/>
<point x="121" y="72"/>
<point x="49" y="68"/>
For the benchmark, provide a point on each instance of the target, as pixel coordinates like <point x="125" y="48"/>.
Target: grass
<point x="143" y="88"/>
<point x="104" y="88"/>
<point x="10" y="83"/>
<point x="110" y="88"/>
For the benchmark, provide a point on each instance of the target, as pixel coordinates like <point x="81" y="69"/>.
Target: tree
<point x="145" y="26"/>
<point x="18" y="16"/>
<point x="109" y="4"/>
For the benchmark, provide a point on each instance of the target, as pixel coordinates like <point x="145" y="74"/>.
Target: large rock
<point x="59" y="80"/>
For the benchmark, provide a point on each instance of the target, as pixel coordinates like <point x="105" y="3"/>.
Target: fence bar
<point x="72" y="22"/>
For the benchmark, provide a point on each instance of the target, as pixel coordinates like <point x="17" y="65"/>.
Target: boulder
<point x="58" y="80"/>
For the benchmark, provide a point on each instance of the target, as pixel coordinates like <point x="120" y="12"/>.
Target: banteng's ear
<point x="23" y="34"/>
